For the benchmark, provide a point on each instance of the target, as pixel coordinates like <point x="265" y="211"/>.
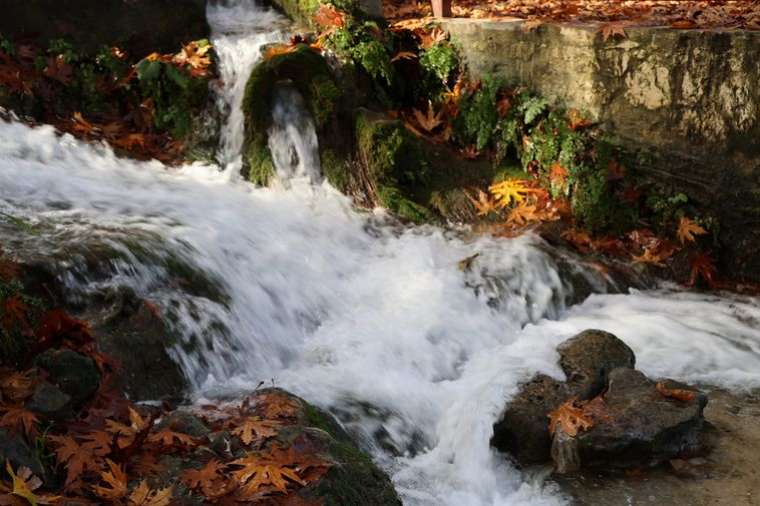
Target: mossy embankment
<point x="405" y="126"/>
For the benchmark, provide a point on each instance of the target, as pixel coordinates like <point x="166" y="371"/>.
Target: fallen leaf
<point x="687" y="229"/>
<point x="678" y="394"/>
<point x="510" y="191"/>
<point x="570" y="418"/>
<point x="115" y="480"/>
<point x="613" y="29"/>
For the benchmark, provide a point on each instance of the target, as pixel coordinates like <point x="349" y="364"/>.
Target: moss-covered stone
<point x="308" y="72"/>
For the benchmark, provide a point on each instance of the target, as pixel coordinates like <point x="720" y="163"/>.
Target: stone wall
<point x="688" y="99"/>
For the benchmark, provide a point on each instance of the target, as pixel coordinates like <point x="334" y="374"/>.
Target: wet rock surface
<point x="634" y="422"/>
<point x="588" y="358"/>
<point x="724" y="474"/>
<point x="642" y="427"/>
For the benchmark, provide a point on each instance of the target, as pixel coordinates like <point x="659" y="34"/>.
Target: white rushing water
<point x="374" y="321"/>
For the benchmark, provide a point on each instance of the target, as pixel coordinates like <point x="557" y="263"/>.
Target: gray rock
<point x="642" y="427"/>
<point x="588" y="358"/>
<point x="523" y="430"/>
<point x="15" y="450"/>
<point x="48" y="400"/>
<point x="74" y="374"/>
<point x="185" y="422"/>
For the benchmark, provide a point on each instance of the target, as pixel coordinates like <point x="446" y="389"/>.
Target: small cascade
<point x="292" y="139"/>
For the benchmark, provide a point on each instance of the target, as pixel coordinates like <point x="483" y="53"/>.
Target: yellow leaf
<point x="509" y="191"/>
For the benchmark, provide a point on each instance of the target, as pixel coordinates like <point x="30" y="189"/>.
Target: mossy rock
<point x="308" y="72"/>
<point x="353" y="478"/>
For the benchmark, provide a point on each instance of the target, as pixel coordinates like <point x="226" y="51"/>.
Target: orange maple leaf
<point x="430" y="120"/>
<point x="687" y="229"/>
<point x="143" y="495"/>
<point x="116" y="483"/>
<point x="678" y="394"/>
<point x="570" y="418"/>
<point x="166" y="437"/>
<point x="255" y="429"/>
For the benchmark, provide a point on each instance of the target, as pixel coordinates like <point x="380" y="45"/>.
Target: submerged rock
<point x="634" y="422"/>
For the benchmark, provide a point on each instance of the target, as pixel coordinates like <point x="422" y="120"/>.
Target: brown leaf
<point x="678" y="394"/>
<point x="166" y="437"/>
<point x="613" y="29"/>
<point x="19" y="419"/>
<point x="428" y="121"/>
<point x="115" y="481"/>
<point x="255" y="429"/>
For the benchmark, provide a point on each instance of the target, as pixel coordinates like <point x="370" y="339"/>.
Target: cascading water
<point x="349" y="310"/>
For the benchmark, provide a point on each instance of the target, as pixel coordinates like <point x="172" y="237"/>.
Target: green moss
<point x="394" y="200"/>
<point x="478" y="115"/>
<point x="354" y="479"/>
<point x="374" y="58"/>
<point x="335" y="168"/>
<point x="441" y="60"/>
<point x="324" y="99"/>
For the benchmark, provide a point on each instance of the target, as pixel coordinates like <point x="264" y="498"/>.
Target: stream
<point x="372" y="320"/>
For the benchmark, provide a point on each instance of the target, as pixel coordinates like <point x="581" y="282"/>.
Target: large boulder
<point x="139" y="26"/>
<point x="634" y="421"/>
<point x="588" y="358"/>
<point x="641" y="426"/>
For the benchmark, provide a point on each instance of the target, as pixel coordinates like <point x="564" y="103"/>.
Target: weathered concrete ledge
<point x="687" y="100"/>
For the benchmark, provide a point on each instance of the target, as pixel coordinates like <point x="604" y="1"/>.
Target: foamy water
<point x="374" y="321"/>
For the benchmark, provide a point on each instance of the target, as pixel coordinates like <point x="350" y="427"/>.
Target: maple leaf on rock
<point x="570" y="418"/>
<point x="255" y="429"/>
<point x="675" y="393"/>
<point x="17" y="386"/>
<point x="687" y="229"/>
<point x="166" y="437"/>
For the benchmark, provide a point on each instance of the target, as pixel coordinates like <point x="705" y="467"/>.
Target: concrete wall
<point x="690" y="98"/>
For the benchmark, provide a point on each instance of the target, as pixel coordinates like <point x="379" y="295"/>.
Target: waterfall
<point x="374" y="321"/>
